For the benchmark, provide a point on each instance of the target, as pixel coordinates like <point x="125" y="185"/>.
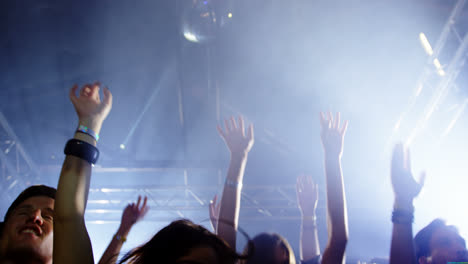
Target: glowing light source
<point x="230" y="15"/>
<point x="438" y="66"/>
<point x="190" y="37"/>
<point x="425" y="43"/>
<point x="122" y="146"/>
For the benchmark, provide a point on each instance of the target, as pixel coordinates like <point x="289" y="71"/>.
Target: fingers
<point x="144" y="202"/>
<point x="330" y="119"/>
<point x="138" y="202"/>
<point x="299" y="184"/>
<point x="91" y="91"/>
<point x="336" y="124"/>
<point x="226" y="125"/>
<point x="72" y="93"/>
<point x="241" y="125"/>
<point x="230" y="125"/>
<point x="95" y="91"/>
<point x="220" y="131"/>
<point x="233" y="123"/>
<point x="144" y="207"/>
<point x="326" y="121"/>
<point x="344" y="128"/>
<point x="323" y="120"/>
<point x="85" y="90"/>
<point x="398" y="162"/>
<point x="407" y="159"/>
<point x="107" y="96"/>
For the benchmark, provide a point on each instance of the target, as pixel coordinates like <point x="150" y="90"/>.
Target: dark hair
<point x="175" y="241"/>
<point x="265" y="245"/>
<point x="423" y="238"/>
<point x="35" y="190"/>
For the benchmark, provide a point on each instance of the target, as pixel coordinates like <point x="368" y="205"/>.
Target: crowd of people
<point x="46" y="225"/>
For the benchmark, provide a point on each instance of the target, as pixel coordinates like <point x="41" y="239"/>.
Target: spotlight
<point x="122" y="146"/>
<point x="438" y="66"/>
<point x="425" y="43"/>
<point x="190" y="37"/>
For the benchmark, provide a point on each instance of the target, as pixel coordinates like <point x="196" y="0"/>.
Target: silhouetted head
<point x="271" y="249"/>
<point x="439" y="243"/>
<point x="183" y="242"/>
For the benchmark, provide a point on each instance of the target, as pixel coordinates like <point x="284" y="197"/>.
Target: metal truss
<point x="439" y="77"/>
<point x="177" y="192"/>
<point x="17" y="168"/>
<point x="169" y="202"/>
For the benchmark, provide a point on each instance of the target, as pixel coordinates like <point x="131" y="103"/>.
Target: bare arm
<point x="239" y="144"/>
<point x="71" y="240"/>
<point x="332" y="140"/>
<point x="214" y="213"/>
<point x="405" y="189"/>
<point x="307" y="198"/>
<point x="131" y="215"/>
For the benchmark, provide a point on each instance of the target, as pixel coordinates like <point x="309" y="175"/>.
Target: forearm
<point x="336" y="201"/>
<point x="309" y="247"/>
<point x="113" y="249"/>
<point x="402" y="248"/>
<point x="337" y="213"/>
<point x="230" y="201"/>
<point x="71" y="198"/>
<point x="73" y="186"/>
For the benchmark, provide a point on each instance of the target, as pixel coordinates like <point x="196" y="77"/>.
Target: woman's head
<point x="271" y="249"/>
<point x="183" y="242"/>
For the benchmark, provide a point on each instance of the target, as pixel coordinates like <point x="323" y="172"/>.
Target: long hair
<point x="265" y="245"/>
<point x="177" y="240"/>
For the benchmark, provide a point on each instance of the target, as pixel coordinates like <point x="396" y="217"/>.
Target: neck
<point x="23" y="256"/>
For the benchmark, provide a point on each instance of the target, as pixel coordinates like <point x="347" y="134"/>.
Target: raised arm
<point x="405" y="189"/>
<point x="214" y="213"/>
<point x="332" y="141"/>
<point x="71" y="240"/>
<point x="239" y="145"/>
<point x="131" y="215"/>
<point x="307" y="197"/>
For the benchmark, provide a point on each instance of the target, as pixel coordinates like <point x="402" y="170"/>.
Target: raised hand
<point x="405" y="187"/>
<point x="214" y="212"/>
<point x="307" y="195"/>
<point x="133" y="213"/>
<point x="89" y="107"/>
<point x="332" y="134"/>
<point x="234" y="136"/>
